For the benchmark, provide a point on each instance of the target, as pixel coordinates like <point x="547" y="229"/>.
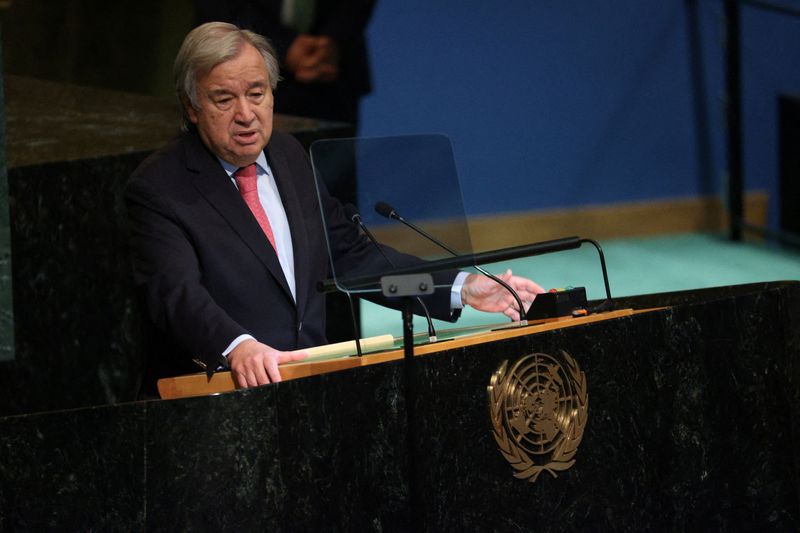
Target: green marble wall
<point x="6" y="309"/>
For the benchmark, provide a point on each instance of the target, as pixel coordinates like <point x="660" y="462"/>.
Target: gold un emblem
<point x="538" y="411"/>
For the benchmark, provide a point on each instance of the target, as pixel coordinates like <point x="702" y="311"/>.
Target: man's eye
<point x="224" y="101"/>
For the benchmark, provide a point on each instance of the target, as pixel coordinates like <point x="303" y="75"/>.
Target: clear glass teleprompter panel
<point x="413" y="174"/>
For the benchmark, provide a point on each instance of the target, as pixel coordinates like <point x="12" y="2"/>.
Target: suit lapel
<point x="213" y="183"/>
<point x="294" y="213"/>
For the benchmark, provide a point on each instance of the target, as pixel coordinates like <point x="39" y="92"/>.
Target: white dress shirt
<point x="270" y="200"/>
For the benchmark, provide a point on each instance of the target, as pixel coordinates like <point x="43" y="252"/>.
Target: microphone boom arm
<point x="372" y="283"/>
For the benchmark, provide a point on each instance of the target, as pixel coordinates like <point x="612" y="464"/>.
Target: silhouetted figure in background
<point x="320" y="45"/>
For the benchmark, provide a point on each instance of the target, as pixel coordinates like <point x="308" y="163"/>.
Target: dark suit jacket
<point x="207" y="273"/>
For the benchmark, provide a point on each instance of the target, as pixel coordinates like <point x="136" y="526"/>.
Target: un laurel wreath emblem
<point x="538" y="410"/>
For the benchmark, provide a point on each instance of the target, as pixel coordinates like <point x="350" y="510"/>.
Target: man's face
<point x="234" y="115"/>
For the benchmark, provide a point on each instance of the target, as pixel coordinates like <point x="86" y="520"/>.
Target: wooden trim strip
<point x="200" y="385"/>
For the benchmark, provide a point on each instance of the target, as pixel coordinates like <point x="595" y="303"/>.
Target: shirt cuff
<point x="455" y="291"/>
<point x="236" y="342"/>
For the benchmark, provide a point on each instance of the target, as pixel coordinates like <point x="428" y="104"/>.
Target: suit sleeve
<point x="167" y="273"/>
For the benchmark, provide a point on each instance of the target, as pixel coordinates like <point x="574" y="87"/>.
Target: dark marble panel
<point x="790" y="310"/>
<point x="319" y="454"/>
<point x="73" y="470"/>
<point x="77" y="325"/>
<point x="689" y="428"/>
<point x="468" y="454"/>
<point x="6" y="309"/>
<point x="686" y="297"/>
<point x="212" y="463"/>
<point x="342" y="439"/>
<point x="692" y="426"/>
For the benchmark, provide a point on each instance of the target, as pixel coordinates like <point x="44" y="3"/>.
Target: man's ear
<point x="191" y="112"/>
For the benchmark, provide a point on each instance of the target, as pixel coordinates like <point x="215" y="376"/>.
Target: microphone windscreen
<point x="384" y="209"/>
<point x="351" y="213"/>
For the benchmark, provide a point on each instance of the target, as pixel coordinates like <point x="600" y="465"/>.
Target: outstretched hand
<point x="484" y="294"/>
<point x="253" y="363"/>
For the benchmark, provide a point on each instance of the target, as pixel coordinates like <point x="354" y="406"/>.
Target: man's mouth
<point x="246" y="137"/>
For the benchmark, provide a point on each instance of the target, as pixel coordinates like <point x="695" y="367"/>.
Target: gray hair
<point x="207" y="46"/>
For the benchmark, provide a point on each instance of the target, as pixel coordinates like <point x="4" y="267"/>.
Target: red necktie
<point x="246" y="180"/>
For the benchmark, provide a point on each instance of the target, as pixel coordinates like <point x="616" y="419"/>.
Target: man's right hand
<point x="253" y="363"/>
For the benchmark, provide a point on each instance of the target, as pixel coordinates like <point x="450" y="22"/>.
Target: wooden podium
<point x="321" y="361"/>
<point x="692" y="424"/>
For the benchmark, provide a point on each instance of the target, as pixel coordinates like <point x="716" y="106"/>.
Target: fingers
<point x="256" y="371"/>
<point x="253" y="363"/>
<point x="282" y="357"/>
<point x="526" y="285"/>
<point x="290" y="357"/>
<point x="312" y="59"/>
<point x="483" y="294"/>
<point x="512" y="313"/>
<point x="521" y="284"/>
<point x="318" y="73"/>
<point x="249" y="375"/>
<point x="327" y="72"/>
<point x="271" y="365"/>
<point x="242" y="378"/>
<point x="260" y="376"/>
<point x="306" y="75"/>
<point x="525" y="288"/>
<point x="304" y="56"/>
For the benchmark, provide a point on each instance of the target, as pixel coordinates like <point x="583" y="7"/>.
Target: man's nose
<point x="243" y="110"/>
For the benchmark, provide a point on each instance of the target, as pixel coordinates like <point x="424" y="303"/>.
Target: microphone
<point x="353" y="215"/>
<point x="387" y="211"/>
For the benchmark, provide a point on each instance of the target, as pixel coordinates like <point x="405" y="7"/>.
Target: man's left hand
<point x="484" y="294"/>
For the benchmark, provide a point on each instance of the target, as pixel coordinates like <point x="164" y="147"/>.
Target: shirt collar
<point x="261" y="161"/>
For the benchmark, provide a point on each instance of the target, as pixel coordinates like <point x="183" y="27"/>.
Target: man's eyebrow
<point x="257" y="84"/>
<point x="219" y="92"/>
<point x="261" y="84"/>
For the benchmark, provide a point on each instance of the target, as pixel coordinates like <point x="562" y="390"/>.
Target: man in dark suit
<point x="226" y="233"/>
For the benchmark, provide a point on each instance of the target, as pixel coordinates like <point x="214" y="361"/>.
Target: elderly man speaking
<point x="226" y="234"/>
